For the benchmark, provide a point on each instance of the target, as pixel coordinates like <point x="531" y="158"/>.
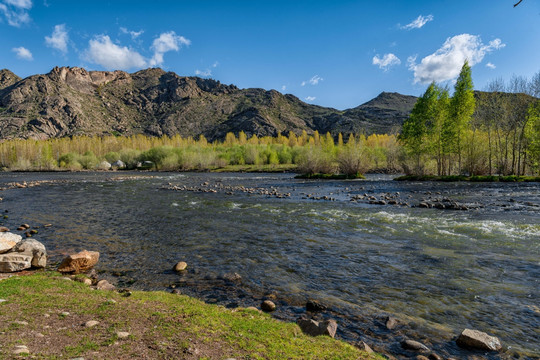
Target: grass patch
<point x="268" y="168"/>
<point x="160" y="324"/>
<point x="475" y="178"/>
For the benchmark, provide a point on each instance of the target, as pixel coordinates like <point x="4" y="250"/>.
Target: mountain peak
<point x="7" y="78"/>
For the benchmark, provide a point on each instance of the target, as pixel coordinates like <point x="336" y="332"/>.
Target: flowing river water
<point x="438" y="271"/>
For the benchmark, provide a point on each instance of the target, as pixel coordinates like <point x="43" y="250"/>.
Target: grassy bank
<point x="46" y="313"/>
<point x="453" y="178"/>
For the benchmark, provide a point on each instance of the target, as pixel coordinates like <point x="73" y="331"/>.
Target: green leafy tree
<point x="532" y="135"/>
<point x="462" y="107"/>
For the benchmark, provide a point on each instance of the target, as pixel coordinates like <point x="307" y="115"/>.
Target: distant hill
<point x="73" y="101"/>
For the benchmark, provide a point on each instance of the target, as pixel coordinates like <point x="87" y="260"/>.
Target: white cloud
<point x="59" y="38"/>
<point x="491" y="65"/>
<point x="22" y="4"/>
<point x="313" y="81"/>
<point x="386" y="62"/>
<point x="310" y="98"/>
<point x="283" y="87"/>
<point x="445" y="63"/>
<point x="134" y="34"/>
<point x="166" y="42"/>
<point x="205" y="73"/>
<point x="215" y="64"/>
<point x="16" y="11"/>
<point x="102" y="51"/>
<point x="418" y="22"/>
<point x="23" y="53"/>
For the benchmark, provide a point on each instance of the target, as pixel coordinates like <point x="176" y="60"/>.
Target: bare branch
<point x="519" y="2"/>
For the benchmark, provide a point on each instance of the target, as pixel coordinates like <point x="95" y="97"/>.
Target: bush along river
<point x="438" y="257"/>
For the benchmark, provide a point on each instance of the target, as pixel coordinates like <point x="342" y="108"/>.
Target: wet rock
<point x="423" y="205"/>
<point x="3" y="229"/>
<point x="35" y="249"/>
<point x="414" y="345"/>
<point x="104" y="285"/>
<point x="315" y="328"/>
<point x="176" y="292"/>
<point x="180" y="266"/>
<point x="8" y="241"/>
<point x="232" y="277"/>
<point x="91" y="323"/>
<point x="13" y="262"/>
<point x="434" y="356"/>
<point x="268" y="306"/>
<point x="474" y="339"/>
<point x="315" y="306"/>
<point x="390" y="323"/>
<point x="80" y="262"/>
<point x="26" y="226"/>
<point x="421" y="357"/>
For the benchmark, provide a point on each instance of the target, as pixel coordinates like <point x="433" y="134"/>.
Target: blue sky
<point x="331" y="53"/>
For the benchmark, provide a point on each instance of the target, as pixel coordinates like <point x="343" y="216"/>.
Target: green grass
<point x="268" y="168"/>
<point x="475" y="178"/>
<point x="162" y="325"/>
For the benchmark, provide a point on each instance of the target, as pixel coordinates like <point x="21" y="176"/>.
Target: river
<point x="436" y="271"/>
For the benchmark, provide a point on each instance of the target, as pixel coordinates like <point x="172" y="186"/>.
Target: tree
<point x="415" y="129"/>
<point x="462" y="107"/>
<point x="532" y="135"/>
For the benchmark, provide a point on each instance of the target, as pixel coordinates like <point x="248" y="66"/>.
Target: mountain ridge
<point x="70" y="101"/>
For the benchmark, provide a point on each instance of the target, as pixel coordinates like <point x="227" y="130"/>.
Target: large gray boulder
<point x="12" y="262"/>
<point x="118" y="164"/>
<point x="8" y="241"/>
<point x="474" y="339"/>
<point x="35" y="249"/>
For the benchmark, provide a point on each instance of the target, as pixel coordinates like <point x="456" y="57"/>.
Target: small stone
<point x="47" y="225"/>
<point x="104" y="285"/>
<point x="180" y="266"/>
<point x="413" y="345"/>
<point x="232" y="277"/>
<point x="40" y="335"/>
<point x="364" y="347"/>
<point x="3" y="229"/>
<point x="391" y="323"/>
<point x="475" y="339"/>
<point x="253" y="308"/>
<point x="176" y="292"/>
<point x="91" y="323"/>
<point x="110" y="302"/>
<point x="268" y="306"/>
<point x="64" y="314"/>
<point x="421" y="357"/>
<point x="46" y="315"/>
<point x="315" y="306"/>
<point x="21" y="349"/>
<point x="26" y="226"/>
<point x="87" y="281"/>
<point x="65" y="278"/>
<point x="122" y="334"/>
<point x="315" y="328"/>
<point x="19" y="322"/>
<point x="434" y="356"/>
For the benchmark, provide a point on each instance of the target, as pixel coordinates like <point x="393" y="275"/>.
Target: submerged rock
<point x="315" y="306"/>
<point x="80" y="262"/>
<point x="474" y="339"/>
<point x="414" y="345"/>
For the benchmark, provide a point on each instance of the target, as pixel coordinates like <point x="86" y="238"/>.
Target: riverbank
<point x="476" y="178"/>
<point x="52" y="316"/>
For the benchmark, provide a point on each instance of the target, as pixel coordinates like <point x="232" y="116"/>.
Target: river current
<point x="438" y="271"/>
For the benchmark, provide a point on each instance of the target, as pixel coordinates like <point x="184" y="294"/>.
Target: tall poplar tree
<point x="462" y="107"/>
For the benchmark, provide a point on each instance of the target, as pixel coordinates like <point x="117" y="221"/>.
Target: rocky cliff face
<point x="74" y="101"/>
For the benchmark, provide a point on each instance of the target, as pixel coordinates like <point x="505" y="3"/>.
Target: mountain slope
<point x="73" y="101"/>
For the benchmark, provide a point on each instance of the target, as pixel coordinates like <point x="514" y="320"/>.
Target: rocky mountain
<point x="73" y="101"/>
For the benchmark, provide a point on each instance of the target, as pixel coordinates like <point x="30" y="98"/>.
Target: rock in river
<point x="413" y="345"/>
<point x="474" y="339"/>
<point x="268" y="306"/>
<point x="80" y="262"/>
<point x="180" y="266"/>
<point x="315" y="306"/>
<point x="315" y="328"/>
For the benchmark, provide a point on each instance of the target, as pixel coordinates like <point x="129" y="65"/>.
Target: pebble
<point x="122" y="334"/>
<point x="40" y="335"/>
<point x="46" y="315"/>
<point x="21" y="322"/>
<point x="91" y="323"/>
<point x="64" y="314"/>
<point x="21" y="349"/>
<point x="268" y="306"/>
<point x="2" y="300"/>
<point x="413" y="345"/>
<point x="391" y="323"/>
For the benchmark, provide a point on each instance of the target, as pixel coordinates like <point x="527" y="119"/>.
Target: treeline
<point x="309" y="154"/>
<point x="491" y="133"/>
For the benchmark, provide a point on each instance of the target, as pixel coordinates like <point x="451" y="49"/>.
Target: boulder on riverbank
<point x="316" y="328"/>
<point x="474" y="339"/>
<point x="79" y="263"/>
<point x="8" y="241"/>
<point x="24" y="254"/>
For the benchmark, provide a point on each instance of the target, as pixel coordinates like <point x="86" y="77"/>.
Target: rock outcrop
<point x="22" y="255"/>
<point x="8" y="241"/>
